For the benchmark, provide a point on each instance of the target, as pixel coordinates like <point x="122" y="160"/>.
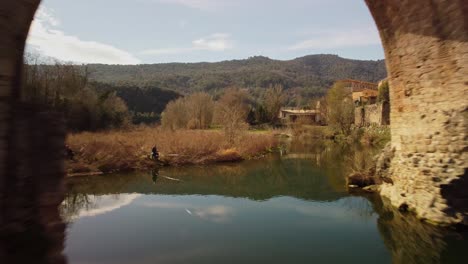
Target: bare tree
<point x="193" y="112"/>
<point x="231" y="112"/>
<point x="201" y="109"/>
<point x="340" y="109"/>
<point x="175" y="116"/>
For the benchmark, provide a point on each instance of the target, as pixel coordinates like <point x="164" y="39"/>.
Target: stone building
<point x="372" y="114"/>
<point x="365" y="96"/>
<point x="291" y="115"/>
<point x="357" y="86"/>
<point x="368" y="110"/>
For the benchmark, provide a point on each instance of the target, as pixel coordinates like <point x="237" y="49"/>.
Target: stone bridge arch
<point x="426" y="50"/>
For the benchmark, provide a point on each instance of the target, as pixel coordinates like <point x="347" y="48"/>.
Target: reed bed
<point x="130" y="149"/>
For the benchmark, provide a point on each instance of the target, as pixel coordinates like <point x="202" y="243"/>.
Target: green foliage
<point x="145" y="103"/>
<point x="373" y="135"/>
<point x="141" y="99"/>
<point x="273" y="100"/>
<point x="308" y="76"/>
<point x="340" y="109"/>
<point x="145" y="118"/>
<point x="384" y="92"/>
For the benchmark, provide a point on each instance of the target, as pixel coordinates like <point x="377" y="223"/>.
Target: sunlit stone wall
<point x="369" y="115"/>
<point x="426" y="48"/>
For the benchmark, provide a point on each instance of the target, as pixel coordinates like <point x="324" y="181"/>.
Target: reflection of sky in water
<point x="261" y="211"/>
<point x="214" y="213"/>
<point x="132" y="228"/>
<point x="341" y="209"/>
<point x="105" y="203"/>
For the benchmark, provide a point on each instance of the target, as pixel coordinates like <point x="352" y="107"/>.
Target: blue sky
<point x="156" y="31"/>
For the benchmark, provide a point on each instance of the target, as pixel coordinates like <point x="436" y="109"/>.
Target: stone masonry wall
<point x="426" y="48"/>
<point x="368" y="115"/>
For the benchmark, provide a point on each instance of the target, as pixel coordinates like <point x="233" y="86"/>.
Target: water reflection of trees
<point x="318" y="179"/>
<point x="328" y="154"/>
<point x="312" y="170"/>
<point x="73" y="203"/>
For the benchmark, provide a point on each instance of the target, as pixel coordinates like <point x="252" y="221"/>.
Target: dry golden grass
<point x="130" y="150"/>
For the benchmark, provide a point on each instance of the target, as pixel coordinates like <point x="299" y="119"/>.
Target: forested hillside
<point x="149" y="99"/>
<point x="94" y="97"/>
<point x="309" y="75"/>
<point x="145" y="105"/>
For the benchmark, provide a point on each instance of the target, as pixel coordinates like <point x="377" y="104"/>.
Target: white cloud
<point x="213" y="213"/>
<point x="339" y="39"/>
<point x="105" y="204"/>
<point x="47" y="16"/>
<point x="217" y="213"/>
<point x="214" y="42"/>
<point x="52" y="42"/>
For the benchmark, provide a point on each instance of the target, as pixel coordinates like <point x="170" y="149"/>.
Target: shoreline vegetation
<point x="97" y="153"/>
<point x="129" y="150"/>
<point x="200" y="127"/>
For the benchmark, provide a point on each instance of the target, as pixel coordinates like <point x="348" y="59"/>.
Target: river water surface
<point x="292" y="207"/>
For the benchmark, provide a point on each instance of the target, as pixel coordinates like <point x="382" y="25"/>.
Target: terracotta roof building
<point x="356" y="86"/>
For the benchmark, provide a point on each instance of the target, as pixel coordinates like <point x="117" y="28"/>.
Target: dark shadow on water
<point x="33" y="245"/>
<point x="31" y="227"/>
<point x="411" y="241"/>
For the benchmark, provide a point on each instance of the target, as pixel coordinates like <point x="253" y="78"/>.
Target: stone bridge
<point x="426" y="50"/>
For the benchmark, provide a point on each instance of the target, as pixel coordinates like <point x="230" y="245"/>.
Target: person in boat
<point x="154" y="153"/>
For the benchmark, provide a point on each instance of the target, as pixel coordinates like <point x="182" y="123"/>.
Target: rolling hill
<point x="310" y="76"/>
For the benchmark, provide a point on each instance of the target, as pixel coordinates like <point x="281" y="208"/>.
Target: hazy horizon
<point x="51" y="60"/>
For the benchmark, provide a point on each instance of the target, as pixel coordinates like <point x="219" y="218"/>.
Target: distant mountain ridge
<point x="313" y="74"/>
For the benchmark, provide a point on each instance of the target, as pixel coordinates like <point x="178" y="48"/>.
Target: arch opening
<point x="425" y="45"/>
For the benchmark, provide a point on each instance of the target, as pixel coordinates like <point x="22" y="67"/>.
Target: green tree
<point x="273" y="100"/>
<point x="384" y="92"/>
<point x="340" y="109"/>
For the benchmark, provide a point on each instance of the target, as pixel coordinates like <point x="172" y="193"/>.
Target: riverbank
<point x="129" y="150"/>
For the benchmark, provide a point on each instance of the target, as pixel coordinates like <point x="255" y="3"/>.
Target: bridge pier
<point x="31" y="149"/>
<point x="426" y="50"/>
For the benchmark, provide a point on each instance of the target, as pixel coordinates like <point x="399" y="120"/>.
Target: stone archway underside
<point x="426" y="50"/>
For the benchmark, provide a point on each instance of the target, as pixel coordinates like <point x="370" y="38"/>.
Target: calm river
<point x="288" y="208"/>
